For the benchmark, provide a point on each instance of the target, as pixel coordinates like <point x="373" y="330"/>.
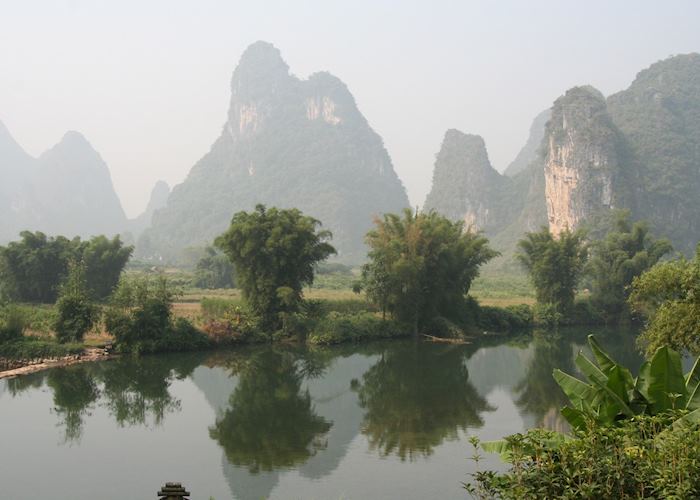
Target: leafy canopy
<point x="76" y="313"/>
<point x="555" y="265"/>
<point x="33" y="268"/>
<point x="421" y="265"/>
<point x="669" y="294"/>
<point x="274" y="252"/>
<point x="624" y="253"/>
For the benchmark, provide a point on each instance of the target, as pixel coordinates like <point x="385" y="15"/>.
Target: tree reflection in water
<point x="417" y="396"/>
<point x="74" y="392"/>
<point x="271" y="422"/>
<point x="539" y="394"/>
<point x="133" y="390"/>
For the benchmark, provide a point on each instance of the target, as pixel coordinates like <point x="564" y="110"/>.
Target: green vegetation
<point x="336" y="327"/>
<point x="274" y="252"/>
<point x="36" y="348"/>
<point x="12" y="323"/>
<point x="214" y="270"/>
<point x="640" y="458"/>
<point x="76" y="313"/>
<point x="555" y="266"/>
<point x="624" y="253"/>
<point x="668" y="295"/>
<point x="632" y="437"/>
<point x="140" y="319"/>
<point x="421" y="266"/>
<point x="32" y="269"/>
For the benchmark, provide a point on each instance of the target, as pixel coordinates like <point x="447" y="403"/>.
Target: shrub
<point x="13" y="322"/>
<point x="35" y="348"/>
<point x="214" y="308"/>
<point x="140" y="319"/>
<point x="75" y="312"/>
<point x="511" y="318"/>
<point x="547" y="315"/>
<point x="336" y="328"/>
<point x="643" y="457"/>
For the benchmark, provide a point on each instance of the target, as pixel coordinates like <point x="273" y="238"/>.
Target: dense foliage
<point x="611" y="394"/>
<point x="214" y="270"/>
<point x="12" y="323"/>
<point x="624" y="253"/>
<point x="640" y="458"/>
<point x="631" y="438"/>
<point x="421" y="266"/>
<point x="140" y="319"/>
<point x="32" y="269"/>
<point x="274" y="252"/>
<point x="668" y="294"/>
<point x="76" y="313"/>
<point x="555" y="265"/>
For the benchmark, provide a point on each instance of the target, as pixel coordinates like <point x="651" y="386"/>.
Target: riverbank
<point x="10" y="368"/>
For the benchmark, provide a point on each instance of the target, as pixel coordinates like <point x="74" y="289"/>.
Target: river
<point x="380" y="420"/>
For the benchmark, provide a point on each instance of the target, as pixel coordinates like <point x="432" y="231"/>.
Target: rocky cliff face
<point x="583" y="166"/>
<point x="287" y="143"/>
<point x="659" y="115"/>
<point x="465" y="185"/>
<point x="66" y="191"/>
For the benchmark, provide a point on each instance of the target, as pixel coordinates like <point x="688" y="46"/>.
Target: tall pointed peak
<point x="260" y="70"/>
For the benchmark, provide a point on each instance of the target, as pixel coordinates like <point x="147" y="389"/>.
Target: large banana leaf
<point x="692" y="386"/>
<point x="661" y="381"/>
<point x="605" y="362"/>
<point x="576" y="390"/>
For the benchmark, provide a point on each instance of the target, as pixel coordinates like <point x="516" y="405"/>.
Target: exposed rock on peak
<point x="583" y="169"/>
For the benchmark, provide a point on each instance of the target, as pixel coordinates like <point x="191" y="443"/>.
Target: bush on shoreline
<point x="643" y="457"/>
<point x="336" y="328"/>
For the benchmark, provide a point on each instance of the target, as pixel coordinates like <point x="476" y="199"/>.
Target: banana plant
<point x="610" y="393"/>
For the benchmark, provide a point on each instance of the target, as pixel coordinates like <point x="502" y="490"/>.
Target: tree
<point x="104" y="261"/>
<point x="555" y="265"/>
<point x="274" y="252"/>
<point x="624" y="253"/>
<point x="33" y="268"/>
<point x="422" y="265"/>
<point x="668" y="294"/>
<point x="214" y="270"/>
<point x="76" y="313"/>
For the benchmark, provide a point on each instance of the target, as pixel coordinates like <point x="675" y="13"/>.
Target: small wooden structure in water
<point x="173" y="491"/>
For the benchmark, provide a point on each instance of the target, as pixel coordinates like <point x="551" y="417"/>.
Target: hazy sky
<point x="147" y="82"/>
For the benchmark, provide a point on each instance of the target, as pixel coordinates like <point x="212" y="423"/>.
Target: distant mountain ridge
<point x="67" y="190"/>
<point x="287" y="143"/>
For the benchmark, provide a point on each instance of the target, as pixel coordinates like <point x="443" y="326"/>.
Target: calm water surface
<point x="382" y="420"/>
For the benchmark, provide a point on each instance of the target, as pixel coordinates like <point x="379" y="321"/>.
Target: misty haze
<point x="380" y="250"/>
